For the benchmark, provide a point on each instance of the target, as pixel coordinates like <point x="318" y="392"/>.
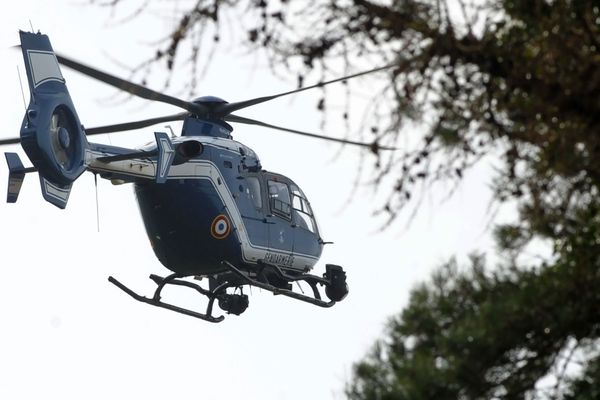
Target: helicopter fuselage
<point x="218" y="205"/>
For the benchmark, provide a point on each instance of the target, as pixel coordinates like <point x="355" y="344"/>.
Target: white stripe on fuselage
<point x="205" y="169"/>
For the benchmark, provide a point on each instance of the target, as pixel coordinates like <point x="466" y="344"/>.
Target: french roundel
<point x="220" y="227"/>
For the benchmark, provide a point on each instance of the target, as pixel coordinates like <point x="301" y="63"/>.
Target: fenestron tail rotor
<point x="62" y="138"/>
<point x="51" y="133"/>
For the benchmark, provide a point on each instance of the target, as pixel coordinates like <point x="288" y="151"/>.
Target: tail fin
<point x="51" y="133"/>
<point x="166" y="155"/>
<point x="54" y="193"/>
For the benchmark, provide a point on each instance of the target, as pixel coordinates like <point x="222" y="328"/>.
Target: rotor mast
<point x="210" y="125"/>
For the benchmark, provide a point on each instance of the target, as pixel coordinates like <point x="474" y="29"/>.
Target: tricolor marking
<point x="220" y="227"/>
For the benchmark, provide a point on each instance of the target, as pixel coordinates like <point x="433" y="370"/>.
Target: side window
<point x="279" y="198"/>
<point x="253" y="191"/>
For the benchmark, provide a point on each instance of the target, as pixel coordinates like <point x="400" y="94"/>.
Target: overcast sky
<point x="67" y="333"/>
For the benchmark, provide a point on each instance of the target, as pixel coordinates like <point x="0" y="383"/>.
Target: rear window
<point x="253" y="191"/>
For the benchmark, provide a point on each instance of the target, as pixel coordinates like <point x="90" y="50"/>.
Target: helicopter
<point x="210" y="210"/>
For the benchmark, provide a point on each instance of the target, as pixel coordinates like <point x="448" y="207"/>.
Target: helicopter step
<point x="266" y="276"/>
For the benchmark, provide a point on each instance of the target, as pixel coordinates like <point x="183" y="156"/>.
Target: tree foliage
<point x="511" y="333"/>
<point x="517" y="79"/>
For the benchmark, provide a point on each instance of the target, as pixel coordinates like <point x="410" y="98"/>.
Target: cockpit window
<point x="279" y="197"/>
<point x="253" y="191"/>
<point x="302" y="213"/>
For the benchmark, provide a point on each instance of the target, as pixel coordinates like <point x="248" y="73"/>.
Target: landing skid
<point x="174" y="279"/>
<point x="265" y="276"/>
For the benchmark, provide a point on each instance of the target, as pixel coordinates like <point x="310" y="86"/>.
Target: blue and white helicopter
<point x="209" y="209"/>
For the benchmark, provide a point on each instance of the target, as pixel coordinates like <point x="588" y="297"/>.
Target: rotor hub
<point x="63" y="138"/>
<point x="209" y="100"/>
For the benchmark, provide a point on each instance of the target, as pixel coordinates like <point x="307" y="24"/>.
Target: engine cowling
<point x="187" y="150"/>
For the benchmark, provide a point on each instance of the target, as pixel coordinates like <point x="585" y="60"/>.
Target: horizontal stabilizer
<point x="16" y="175"/>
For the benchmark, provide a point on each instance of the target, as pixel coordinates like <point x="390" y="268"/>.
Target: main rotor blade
<point x="128" y="126"/>
<point x="130" y="87"/>
<point x="10" y="141"/>
<point x="226" y="109"/>
<point x="242" y="120"/>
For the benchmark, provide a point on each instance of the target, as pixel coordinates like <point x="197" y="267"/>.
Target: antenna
<point x="171" y="129"/>
<point x="22" y="92"/>
<point x="97" y="204"/>
<point x="31" y="25"/>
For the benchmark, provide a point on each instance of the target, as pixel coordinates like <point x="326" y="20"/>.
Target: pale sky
<point x="67" y="333"/>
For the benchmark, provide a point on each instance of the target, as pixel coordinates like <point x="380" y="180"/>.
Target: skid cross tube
<point x="172" y="280"/>
<point x="310" y="279"/>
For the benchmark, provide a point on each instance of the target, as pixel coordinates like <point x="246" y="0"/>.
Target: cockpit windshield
<point x="287" y="201"/>
<point x="302" y="214"/>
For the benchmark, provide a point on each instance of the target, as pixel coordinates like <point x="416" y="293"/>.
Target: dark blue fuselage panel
<point x="178" y="216"/>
